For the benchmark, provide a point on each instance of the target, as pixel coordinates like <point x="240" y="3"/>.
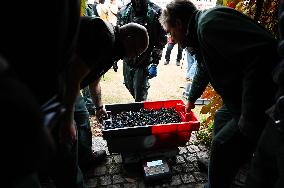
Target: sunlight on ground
<point x="169" y="83"/>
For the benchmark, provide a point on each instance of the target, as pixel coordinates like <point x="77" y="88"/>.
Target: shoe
<point x="203" y="164"/>
<point x="166" y="62"/>
<point x="95" y="159"/>
<point x="178" y="63"/>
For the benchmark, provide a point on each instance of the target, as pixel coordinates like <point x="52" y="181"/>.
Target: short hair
<point x="138" y="33"/>
<point x="177" y="9"/>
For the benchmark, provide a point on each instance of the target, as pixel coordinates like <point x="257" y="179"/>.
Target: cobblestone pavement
<point x="114" y="174"/>
<point x="185" y="172"/>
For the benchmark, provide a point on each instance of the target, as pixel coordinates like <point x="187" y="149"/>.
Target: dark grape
<point x="142" y="117"/>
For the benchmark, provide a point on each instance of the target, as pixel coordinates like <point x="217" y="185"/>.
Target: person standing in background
<point x="137" y="71"/>
<point x="170" y="46"/>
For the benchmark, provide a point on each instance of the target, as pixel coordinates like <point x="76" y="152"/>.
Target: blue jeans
<point x="191" y="66"/>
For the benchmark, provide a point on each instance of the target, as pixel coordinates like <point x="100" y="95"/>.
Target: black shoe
<point x="203" y="164"/>
<point x="166" y="62"/>
<point x="178" y="63"/>
<point x="95" y="159"/>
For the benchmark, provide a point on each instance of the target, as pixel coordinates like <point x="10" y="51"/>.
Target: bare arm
<point x="74" y="75"/>
<point x="95" y="91"/>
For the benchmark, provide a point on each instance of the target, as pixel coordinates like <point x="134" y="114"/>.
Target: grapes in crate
<point x="142" y="117"/>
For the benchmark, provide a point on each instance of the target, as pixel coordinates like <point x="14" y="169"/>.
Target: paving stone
<point x="187" y="178"/>
<point x="182" y="150"/>
<point x="176" y="169"/>
<point x="117" y="179"/>
<point x="192" y="186"/>
<point x="180" y="159"/>
<point x="165" y="185"/>
<point x="176" y="180"/>
<point x="117" y="159"/>
<point x="190" y="158"/>
<point x="203" y="154"/>
<point x="141" y="185"/>
<point x="187" y="167"/>
<point x="114" y="186"/>
<point x="114" y="169"/>
<point x="92" y="182"/>
<point x="200" y="177"/>
<point x="99" y="171"/>
<point x="109" y="160"/>
<point x="99" y="143"/>
<point x="105" y="180"/>
<point x="130" y="185"/>
<point x="203" y="148"/>
<point x="193" y="148"/>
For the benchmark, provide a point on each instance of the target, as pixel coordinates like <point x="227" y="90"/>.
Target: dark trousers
<point x="81" y="117"/>
<point x="63" y="167"/>
<point x="169" y="50"/>
<point x="229" y="151"/>
<point x="88" y="100"/>
<point x="222" y="116"/>
<point x="136" y="81"/>
<point x="267" y="168"/>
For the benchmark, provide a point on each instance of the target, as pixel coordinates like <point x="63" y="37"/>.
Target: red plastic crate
<point x="151" y="137"/>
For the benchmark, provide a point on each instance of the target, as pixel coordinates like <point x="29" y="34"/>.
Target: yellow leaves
<point x="215" y="102"/>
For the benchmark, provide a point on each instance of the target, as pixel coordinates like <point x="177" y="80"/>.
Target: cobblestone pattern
<point x="184" y="168"/>
<point x="185" y="172"/>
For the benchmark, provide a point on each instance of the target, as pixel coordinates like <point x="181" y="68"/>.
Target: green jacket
<point x="237" y="56"/>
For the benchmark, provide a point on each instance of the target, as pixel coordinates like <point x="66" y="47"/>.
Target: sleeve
<point x="199" y="83"/>
<point x="120" y="16"/>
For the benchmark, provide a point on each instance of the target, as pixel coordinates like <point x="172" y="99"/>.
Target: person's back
<point x="270" y="148"/>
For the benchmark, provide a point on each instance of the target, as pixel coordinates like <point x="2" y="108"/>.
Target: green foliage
<point x="204" y="135"/>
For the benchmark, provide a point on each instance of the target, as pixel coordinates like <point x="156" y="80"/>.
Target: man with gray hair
<point x="236" y="55"/>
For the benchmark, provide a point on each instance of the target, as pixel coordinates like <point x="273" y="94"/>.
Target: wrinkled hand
<point x="152" y="71"/>
<point x="189" y="106"/>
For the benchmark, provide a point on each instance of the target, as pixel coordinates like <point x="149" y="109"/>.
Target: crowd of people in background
<point x="45" y="63"/>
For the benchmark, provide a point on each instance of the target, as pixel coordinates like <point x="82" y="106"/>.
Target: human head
<point x="134" y="38"/>
<point x="175" y="19"/>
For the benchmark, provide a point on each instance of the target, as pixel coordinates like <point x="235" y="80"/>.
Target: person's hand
<point x="152" y="71"/>
<point x="67" y="131"/>
<point x="101" y="113"/>
<point x="189" y="106"/>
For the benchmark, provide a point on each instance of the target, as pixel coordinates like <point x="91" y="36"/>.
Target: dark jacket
<point x="237" y="56"/>
<point x="157" y="35"/>
<point x="39" y="50"/>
